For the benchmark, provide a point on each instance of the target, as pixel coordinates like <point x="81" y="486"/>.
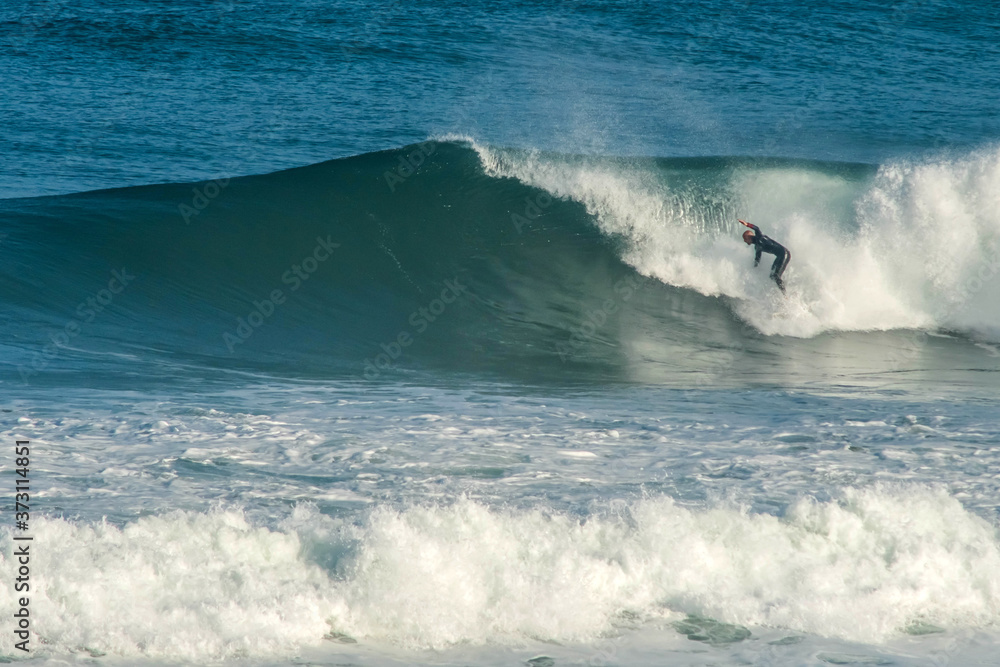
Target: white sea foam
<point x="861" y="569"/>
<point x="182" y="585"/>
<point x="917" y="246"/>
<point x="209" y="585"/>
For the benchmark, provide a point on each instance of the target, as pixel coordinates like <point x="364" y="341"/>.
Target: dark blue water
<point x="104" y="94"/>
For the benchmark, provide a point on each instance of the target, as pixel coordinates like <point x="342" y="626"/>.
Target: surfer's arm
<point x="756" y="239"/>
<point x="758" y="247"/>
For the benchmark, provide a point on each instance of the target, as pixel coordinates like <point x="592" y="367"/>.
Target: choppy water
<point x="485" y="375"/>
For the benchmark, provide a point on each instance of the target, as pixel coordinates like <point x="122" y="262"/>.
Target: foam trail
<point x="915" y="246"/>
<point x="196" y="586"/>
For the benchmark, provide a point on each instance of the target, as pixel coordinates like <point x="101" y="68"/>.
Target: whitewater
<point x="464" y="519"/>
<point x="914" y="245"/>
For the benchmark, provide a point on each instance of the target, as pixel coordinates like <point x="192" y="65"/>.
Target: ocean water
<point x="386" y="333"/>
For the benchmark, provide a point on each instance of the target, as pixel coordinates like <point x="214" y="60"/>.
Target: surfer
<point x="766" y="244"/>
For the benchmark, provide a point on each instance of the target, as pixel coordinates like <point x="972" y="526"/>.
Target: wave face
<point x="193" y="586"/>
<point x="453" y="254"/>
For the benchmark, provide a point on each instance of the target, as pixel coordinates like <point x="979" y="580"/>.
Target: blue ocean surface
<point x="383" y="333"/>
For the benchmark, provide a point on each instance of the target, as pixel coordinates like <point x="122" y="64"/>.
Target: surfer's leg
<point x="778" y="268"/>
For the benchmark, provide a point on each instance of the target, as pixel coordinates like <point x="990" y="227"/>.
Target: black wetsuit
<point x="766" y="244"/>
